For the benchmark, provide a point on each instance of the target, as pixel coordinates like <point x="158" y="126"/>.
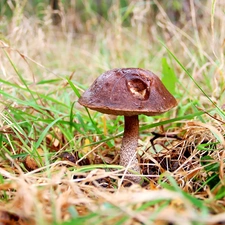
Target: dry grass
<point x="183" y="168"/>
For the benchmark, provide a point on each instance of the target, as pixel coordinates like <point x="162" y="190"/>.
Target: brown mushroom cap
<point x="128" y="92"/>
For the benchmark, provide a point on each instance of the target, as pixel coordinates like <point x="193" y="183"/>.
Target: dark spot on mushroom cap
<point x="107" y="84"/>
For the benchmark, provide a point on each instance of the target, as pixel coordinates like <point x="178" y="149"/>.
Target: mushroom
<point x="128" y="92"/>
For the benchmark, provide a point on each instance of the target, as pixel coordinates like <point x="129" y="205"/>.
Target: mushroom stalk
<point x="128" y="150"/>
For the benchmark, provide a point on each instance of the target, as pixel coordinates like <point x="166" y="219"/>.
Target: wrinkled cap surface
<point x="128" y="91"/>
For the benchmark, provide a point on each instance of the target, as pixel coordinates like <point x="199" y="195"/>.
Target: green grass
<point x="59" y="162"/>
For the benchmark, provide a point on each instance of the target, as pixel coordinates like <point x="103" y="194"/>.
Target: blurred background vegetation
<point x="177" y="10"/>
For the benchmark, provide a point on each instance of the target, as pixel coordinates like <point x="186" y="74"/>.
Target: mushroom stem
<point x="129" y="146"/>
